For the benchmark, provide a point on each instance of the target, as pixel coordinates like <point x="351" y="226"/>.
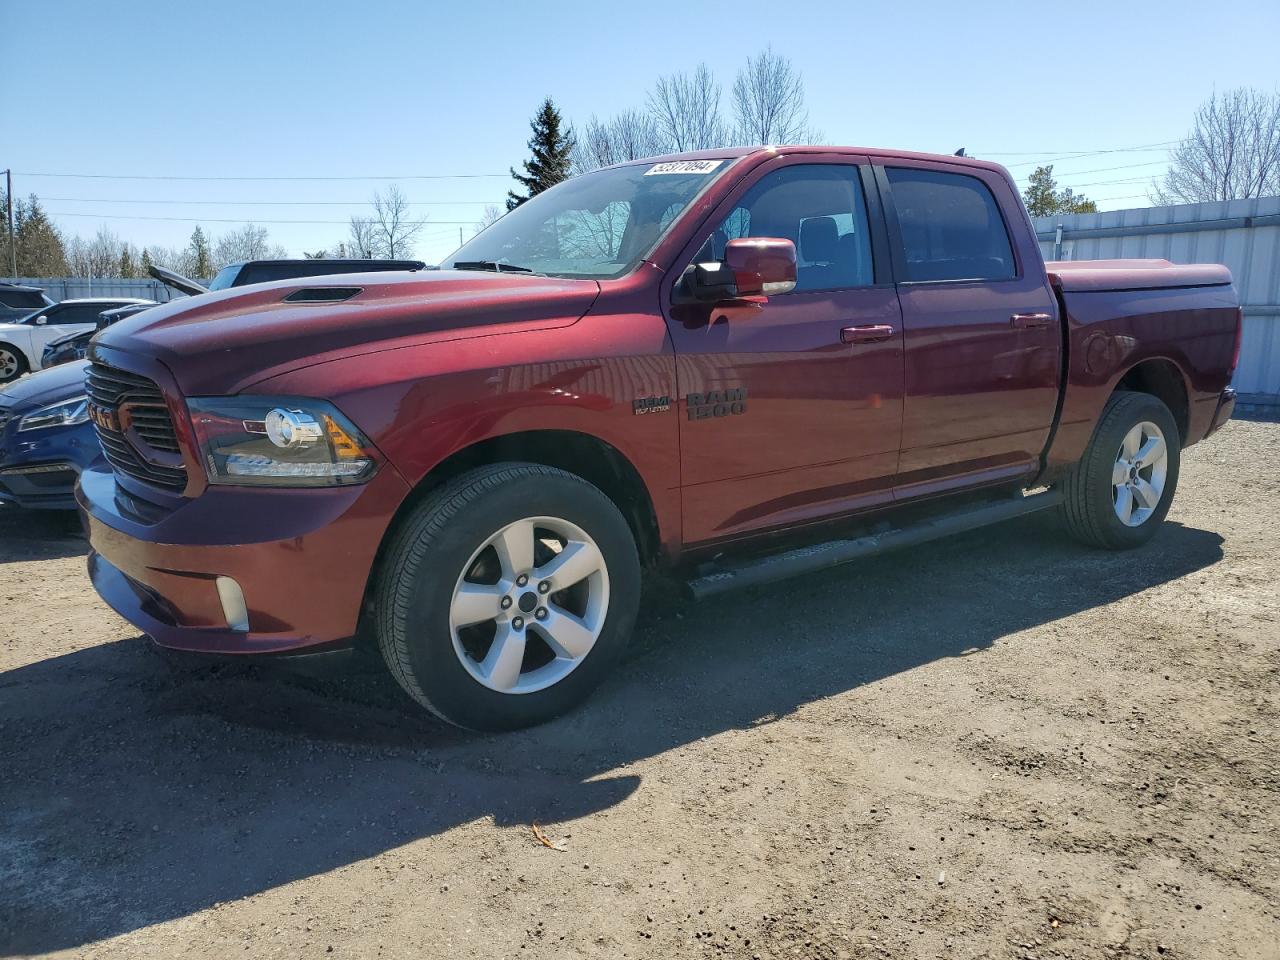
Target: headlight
<point x="68" y="413"/>
<point x="279" y="442"/>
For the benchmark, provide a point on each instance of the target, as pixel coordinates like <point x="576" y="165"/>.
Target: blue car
<point x="46" y="438"/>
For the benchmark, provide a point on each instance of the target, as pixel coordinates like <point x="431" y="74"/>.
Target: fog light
<point x="233" y="607"/>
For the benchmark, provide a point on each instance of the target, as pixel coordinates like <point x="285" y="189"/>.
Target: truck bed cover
<point x="1098" y="275"/>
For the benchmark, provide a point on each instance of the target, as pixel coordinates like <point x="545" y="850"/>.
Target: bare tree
<point x="247" y="243"/>
<point x="97" y="257"/>
<point x="361" y="238"/>
<point x="768" y="102"/>
<point x="393" y="229"/>
<point x="686" y="111"/>
<point x="630" y="135"/>
<point x="492" y="214"/>
<point x="170" y="258"/>
<point x="1232" y="151"/>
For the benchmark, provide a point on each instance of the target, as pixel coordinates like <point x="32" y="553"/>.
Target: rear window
<point x="21" y="299"/>
<point x="951" y="227"/>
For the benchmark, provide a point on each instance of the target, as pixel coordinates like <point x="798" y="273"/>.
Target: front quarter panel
<point x="19" y="335"/>
<point x="421" y="404"/>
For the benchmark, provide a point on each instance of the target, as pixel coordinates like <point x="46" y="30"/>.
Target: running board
<point x="835" y="552"/>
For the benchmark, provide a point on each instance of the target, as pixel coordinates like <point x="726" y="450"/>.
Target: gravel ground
<point x="1003" y="745"/>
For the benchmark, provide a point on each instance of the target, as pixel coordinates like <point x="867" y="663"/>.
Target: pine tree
<point x="40" y="249"/>
<point x="126" y="263"/>
<point x="1044" y="200"/>
<point x="551" y="145"/>
<point x="147" y="263"/>
<point x="201" y="258"/>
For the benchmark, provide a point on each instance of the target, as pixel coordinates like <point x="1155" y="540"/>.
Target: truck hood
<point x="224" y="341"/>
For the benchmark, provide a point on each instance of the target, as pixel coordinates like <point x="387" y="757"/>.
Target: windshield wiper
<point x="493" y="265"/>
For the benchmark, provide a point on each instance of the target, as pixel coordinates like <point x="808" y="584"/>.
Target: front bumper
<point x="38" y="468"/>
<point x="299" y="560"/>
<point x="40" y="486"/>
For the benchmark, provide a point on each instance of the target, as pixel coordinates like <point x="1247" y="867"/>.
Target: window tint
<point x="951" y="227"/>
<point x="77" y="312"/>
<point x="21" y="299"/>
<point x="819" y="208"/>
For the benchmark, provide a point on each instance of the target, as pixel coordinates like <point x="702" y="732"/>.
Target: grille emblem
<point x="104" y="417"/>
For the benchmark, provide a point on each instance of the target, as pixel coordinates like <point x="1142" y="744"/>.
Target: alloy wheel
<point x="1138" y="476"/>
<point x="529" y="605"/>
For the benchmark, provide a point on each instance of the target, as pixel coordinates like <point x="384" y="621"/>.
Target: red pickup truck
<point x="733" y="366"/>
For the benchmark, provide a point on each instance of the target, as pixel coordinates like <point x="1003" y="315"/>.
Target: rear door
<point x="790" y="411"/>
<point x="982" y="339"/>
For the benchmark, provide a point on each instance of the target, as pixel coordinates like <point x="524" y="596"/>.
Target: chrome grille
<point x="146" y="417"/>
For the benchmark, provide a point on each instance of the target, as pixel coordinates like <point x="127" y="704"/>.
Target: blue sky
<point x="322" y="89"/>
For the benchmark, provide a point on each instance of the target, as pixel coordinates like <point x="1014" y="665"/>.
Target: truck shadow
<point x="40" y="534"/>
<point x="135" y="793"/>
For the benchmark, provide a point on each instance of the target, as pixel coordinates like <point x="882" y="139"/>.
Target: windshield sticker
<point x="683" y="166"/>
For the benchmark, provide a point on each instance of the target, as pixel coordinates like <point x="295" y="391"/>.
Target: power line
<point x="112" y="216"/>
<point x="1076" y="155"/>
<point x="121" y="176"/>
<point x="1141" y="148"/>
<point x="1081" y="173"/>
<point x="276" y="203"/>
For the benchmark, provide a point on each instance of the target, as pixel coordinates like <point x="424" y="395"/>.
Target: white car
<point x="23" y="341"/>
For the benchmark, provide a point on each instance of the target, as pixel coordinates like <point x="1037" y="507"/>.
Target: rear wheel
<point x="1119" y="493"/>
<point x="13" y="363"/>
<point x="506" y="596"/>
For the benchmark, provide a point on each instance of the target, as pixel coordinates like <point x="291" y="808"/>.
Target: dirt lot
<point x="1004" y="745"/>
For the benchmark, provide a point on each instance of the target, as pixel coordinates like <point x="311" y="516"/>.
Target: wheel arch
<point x="596" y="461"/>
<point x="1162" y="379"/>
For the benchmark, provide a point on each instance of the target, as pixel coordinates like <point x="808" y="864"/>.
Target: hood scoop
<point x="322" y="294"/>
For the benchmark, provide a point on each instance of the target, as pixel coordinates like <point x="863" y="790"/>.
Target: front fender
<point x="421" y="405"/>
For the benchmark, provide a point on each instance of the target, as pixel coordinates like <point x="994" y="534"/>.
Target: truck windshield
<point x="600" y="224"/>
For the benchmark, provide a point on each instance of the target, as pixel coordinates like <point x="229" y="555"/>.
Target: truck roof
<point x="878" y="153"/>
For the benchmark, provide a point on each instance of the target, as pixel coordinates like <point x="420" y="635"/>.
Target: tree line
<point x="43" y="251"/>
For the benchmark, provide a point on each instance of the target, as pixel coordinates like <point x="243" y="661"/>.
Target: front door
<point x="790" y="411"/>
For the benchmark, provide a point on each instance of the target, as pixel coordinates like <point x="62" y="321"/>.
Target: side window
<point x="951" y="227"/>
<point x="819" y="208"/>
<point x="79" y="313"/>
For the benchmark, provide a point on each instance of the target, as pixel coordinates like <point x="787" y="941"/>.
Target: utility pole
<point x="13" y="239"/>
<point x="459" y="236"/>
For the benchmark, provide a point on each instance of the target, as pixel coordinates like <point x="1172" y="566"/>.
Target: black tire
<point x="1088" y="503"/>
<point x="429" y="551"/>
<point x="20" y="365"/>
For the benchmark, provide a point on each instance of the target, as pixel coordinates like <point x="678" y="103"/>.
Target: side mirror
<point x="761" y="265"/>
<point x="752" y="269"/>
<point x="41" y="320"/>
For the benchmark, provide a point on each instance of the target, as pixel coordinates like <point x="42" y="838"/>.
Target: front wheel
<point x="13" y="363"/>
<point x="1117" y="496"/>
<point x="506" y="596"/>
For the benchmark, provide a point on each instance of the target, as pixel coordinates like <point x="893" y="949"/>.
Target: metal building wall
<point x="1243" y="234"/>
<point x="69" y="288"/>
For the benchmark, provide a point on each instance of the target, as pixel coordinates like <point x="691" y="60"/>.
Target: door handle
<point x="1026" y="321"/>
<point x="866" y="333"/>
